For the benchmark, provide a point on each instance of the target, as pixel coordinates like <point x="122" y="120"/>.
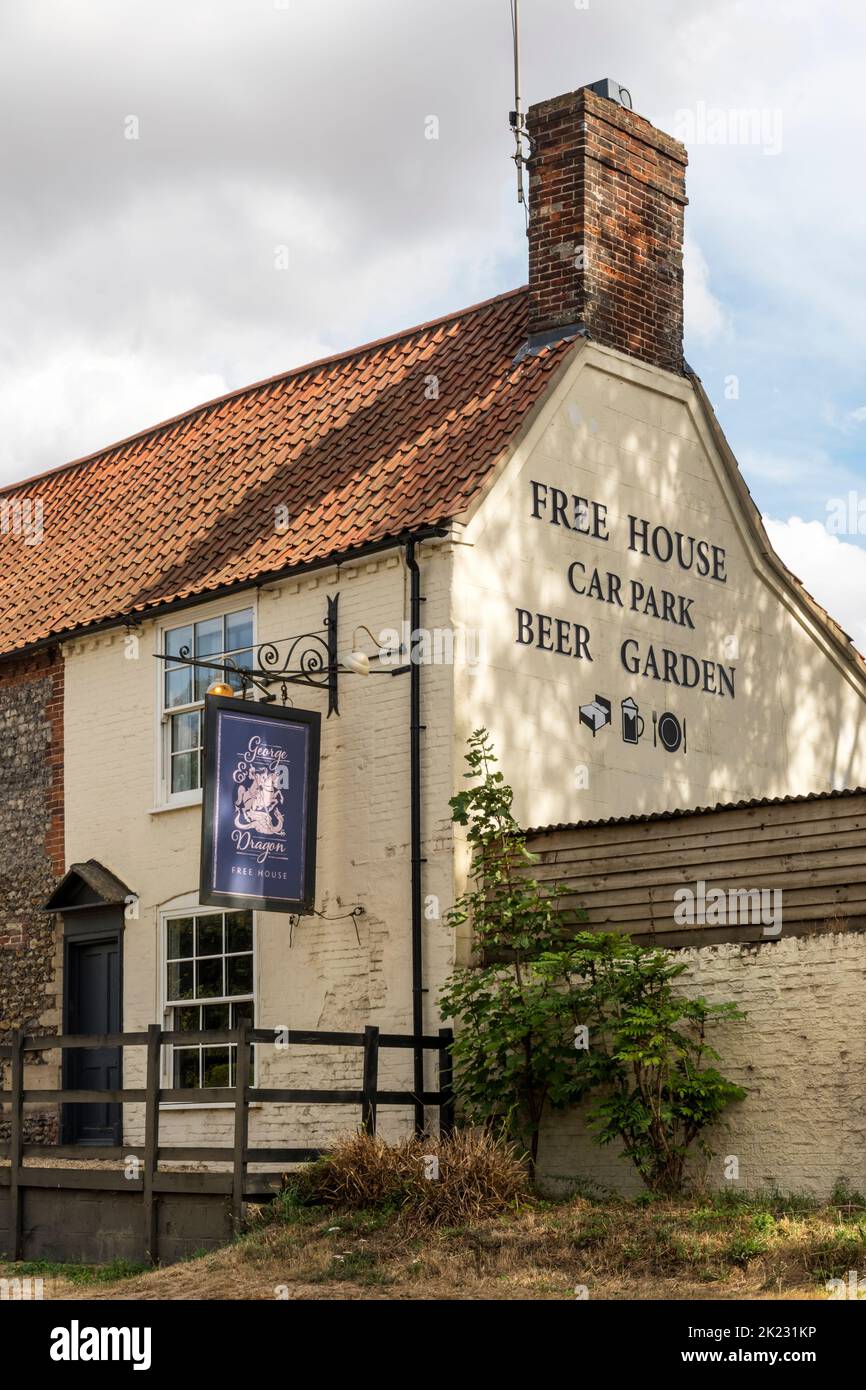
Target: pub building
<point x="521" y="516"/>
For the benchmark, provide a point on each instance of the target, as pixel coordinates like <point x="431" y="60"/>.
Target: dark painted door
<point x="93" y="1006"/>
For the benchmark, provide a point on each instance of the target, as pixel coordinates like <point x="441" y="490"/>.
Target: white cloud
<point x="833" y="570"/>
<point x="704" y="316"/>
<point x="304" y="125"/>
<point x="83" y="372"/>
<point x="78" y="401"/>
<point x="774" y="468"/>
<point x="844" y="422"/>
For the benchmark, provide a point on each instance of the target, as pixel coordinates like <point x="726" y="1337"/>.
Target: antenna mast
<point x="516" y="117"/>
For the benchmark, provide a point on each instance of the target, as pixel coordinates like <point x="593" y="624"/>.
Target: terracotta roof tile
<point x="350" y="446"/>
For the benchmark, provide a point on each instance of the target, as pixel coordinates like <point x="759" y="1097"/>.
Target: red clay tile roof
<point x="351" y="446"/>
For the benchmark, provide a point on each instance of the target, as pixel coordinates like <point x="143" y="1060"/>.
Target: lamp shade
<point x="220" y="688"/>
<point x="358" y="662"/>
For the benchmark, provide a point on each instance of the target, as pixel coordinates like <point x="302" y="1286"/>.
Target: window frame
<point x="165" y="798"/>
<point x="195" y="909"/>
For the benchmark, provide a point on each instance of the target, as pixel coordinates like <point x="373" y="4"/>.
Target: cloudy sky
<point x="200" y="193"/>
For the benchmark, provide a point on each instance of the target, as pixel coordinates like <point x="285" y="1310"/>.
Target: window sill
<point x="206" y="1105"/>
<point x="193" y="800"/>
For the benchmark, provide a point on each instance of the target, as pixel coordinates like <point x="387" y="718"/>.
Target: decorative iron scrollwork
<point x="310" y="659"/>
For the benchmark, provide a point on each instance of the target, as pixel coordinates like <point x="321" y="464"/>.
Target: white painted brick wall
<point x="801" y="1054"/>
<point x="329" y="978"/>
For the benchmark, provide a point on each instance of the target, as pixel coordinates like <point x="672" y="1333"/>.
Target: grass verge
<point x="712" y="1248"/>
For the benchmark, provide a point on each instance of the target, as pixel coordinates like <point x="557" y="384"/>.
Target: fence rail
<point x="237" y="1182"/>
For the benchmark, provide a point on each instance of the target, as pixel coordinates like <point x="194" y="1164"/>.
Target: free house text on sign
<point x="687" y="553"/>
<point x="261" y="778"/>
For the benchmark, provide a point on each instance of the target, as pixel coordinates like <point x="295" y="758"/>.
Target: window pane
<point x="187" y="1020"/>
<point x="239" y="931"/>
<point x="216" y="1016"/>
<point x="180" y="980"/>
<point x="184" y="772"/>
<point x="216" y="1066"/>
<point x="209" y="638"/>
<point x="177" y="639"/>
<point x="185" y="731"/>
<point x="209" y="978"/>
<point x="209" y="936"/>
<point x="243" y="660"/>
<point x="179" y="938"/>
<point x="178" y="687"/>
<point x="239" y="972"/>
<point x="239" y="630"/>
<point x="241" y="1011"/>
<point x="252" y="1064"/>
<point x="203" y="678"/>
<point x="186" y="1067"/>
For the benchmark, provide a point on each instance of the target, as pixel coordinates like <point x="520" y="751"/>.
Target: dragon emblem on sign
<point x="261" y="776"/>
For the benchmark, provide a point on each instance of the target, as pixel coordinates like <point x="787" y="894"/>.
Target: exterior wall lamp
<point x="357" y="660"/>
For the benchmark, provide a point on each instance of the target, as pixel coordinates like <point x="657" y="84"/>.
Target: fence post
<point x="370" y="1085"/>
<point x="151" y="1142"/>
<point x="446" y="1083"/>
<point x="242" y="1119"/>
<point x="16" y="1144"/>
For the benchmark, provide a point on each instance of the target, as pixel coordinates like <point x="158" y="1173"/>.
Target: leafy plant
<point x="514" y="1051"/>
<point x="744" y="1248"/>
<point x="648" y="1055"/>
<point x="75" y="1273"/>
<point x="553" y="1014"/>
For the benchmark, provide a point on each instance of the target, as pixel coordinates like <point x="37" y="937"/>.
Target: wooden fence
<point x="624" y="873"/>
<point x="238" y="1184"/>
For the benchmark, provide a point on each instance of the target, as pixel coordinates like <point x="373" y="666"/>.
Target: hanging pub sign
<point x="261" y="779"/>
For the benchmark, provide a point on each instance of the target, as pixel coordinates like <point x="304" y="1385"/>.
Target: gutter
<point x="135" y="617"/>
<point x="415" y="728"/>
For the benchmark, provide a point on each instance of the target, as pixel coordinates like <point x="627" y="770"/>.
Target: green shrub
<point x="742" y="1249"/>
<point x="554" y="1015"/>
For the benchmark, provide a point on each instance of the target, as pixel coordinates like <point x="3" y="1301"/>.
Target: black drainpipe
<point x="415" y="601"/>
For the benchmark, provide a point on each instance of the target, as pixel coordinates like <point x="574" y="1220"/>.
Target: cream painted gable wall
<point x="633" y="439"/>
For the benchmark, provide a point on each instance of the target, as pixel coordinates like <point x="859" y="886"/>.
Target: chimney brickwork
<point x="606" y="205"/>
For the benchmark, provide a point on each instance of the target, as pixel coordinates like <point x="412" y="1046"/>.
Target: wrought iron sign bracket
<point x="308" y="659"/>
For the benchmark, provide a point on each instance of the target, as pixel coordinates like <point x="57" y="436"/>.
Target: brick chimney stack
<point x="606" y="204"/>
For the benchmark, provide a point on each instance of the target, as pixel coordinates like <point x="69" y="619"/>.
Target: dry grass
<point x="708" y="1249"/>
<point x="476" y="1176"/>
